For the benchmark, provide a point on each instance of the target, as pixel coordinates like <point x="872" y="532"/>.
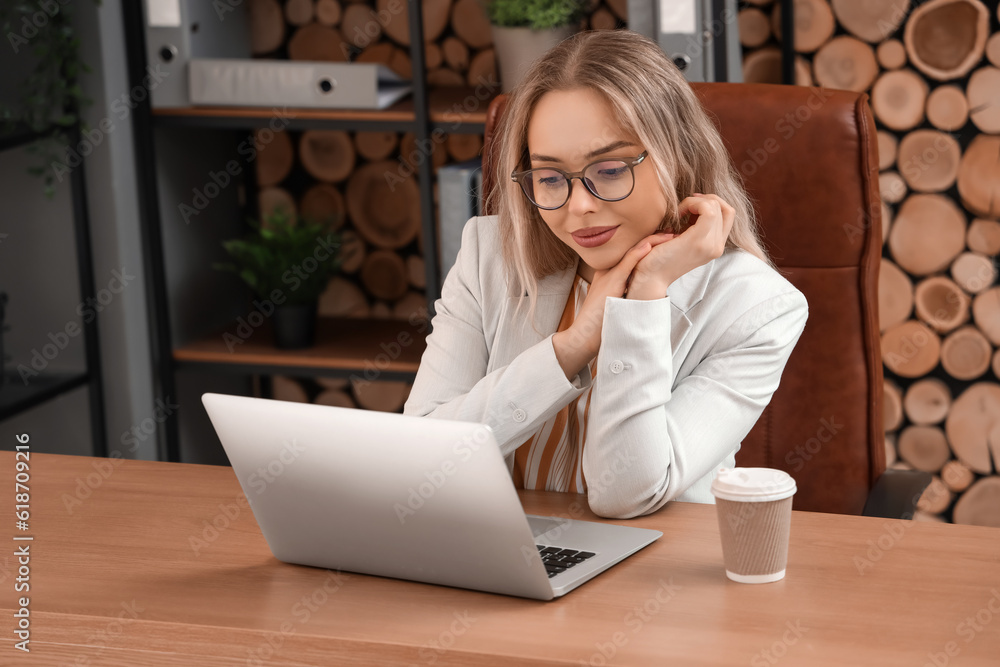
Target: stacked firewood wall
<point x="931" y="71"/>
<point x="365" y="183"/>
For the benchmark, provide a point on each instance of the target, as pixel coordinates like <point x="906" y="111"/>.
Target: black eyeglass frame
<point x="630" y="162"/>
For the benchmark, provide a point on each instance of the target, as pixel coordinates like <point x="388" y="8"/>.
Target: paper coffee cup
<point x="754" y="507"/>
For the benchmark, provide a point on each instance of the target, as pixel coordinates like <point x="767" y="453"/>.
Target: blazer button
<point x="617" y="366"/>
<point x="519" y="415"/>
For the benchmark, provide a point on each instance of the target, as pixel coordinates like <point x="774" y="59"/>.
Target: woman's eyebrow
<point x="607" y="149"/>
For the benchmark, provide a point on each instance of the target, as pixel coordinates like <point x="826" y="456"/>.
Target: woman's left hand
<point x="673" y="255"/>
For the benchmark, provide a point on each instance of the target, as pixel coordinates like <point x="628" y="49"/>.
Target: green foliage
<point x="279" y="254"/>
<point x="535" y="14"/>
<point x="50" y="97"/>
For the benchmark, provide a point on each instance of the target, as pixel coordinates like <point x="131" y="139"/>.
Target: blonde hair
<point x="655" y="104"/>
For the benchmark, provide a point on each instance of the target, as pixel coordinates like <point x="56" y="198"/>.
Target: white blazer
<point x="680" y="382"/>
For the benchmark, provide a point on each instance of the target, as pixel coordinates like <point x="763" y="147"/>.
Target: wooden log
<point x="970" y="423"/>
<point x="274" y="199"/>
<point x="927" y="517"/>
<point x="924" y="447"/>
<point x="603" y="19"/>
<point x="911" y="349"/>
<point x="814" y="24"/>
<point x="317" y="43"/>
<point x="941" y="304"/>
<point x="927" y="401"/>
<point x="754" y="27"/>
<point x="871" y="20"/>
<point x="415" y="271"/>
<point x="845" y="63"/>
<point x="957" y="476"/>
<point x="359" y="26"/>
<point x="936" y="497"/>
<point x="993" y="48"/>
<point x="927" y="234"/>
<point x="996" y="364"/>
<point x="892" y="187"/>
<point x="267" y="26"/>
<point x="979" y="176"/>
<point x="328" y="12"/>
<point x="381" y="310"/>
<point x="381" y="395"/>
<point x="895" y="295"/>
<point x="764" y="66"/>
<point x="898" y="99"/>
<point x="410" y="154"/>
<point x="886" y="221"/>
<point x="395" y="18"/>
<point x="929" y="160"/>
<point x="890" y="450"/>
<point x="298" y="12"/>
<point x="391" y="56"/>
<point x="891" y="54"/>
<point x="376" y="145"/>
<point x="980" y="504"/>
<point x="464" y="147"/>
<point x="947" y="108"/>
<point x="983" y="91"/>
<point x="984" y="236"/>
<point x="946" y="38"/>
<point x="456" y="53"/>
<point x="336" y="398"/>
<point x="412" y="307"/>
<point x="342" y="298"/>
<point x="443" y="76"/>
<point x="275" y="158"/>
<point x="973" y="271"/>
<point x="332" y="383"/>
<point x="328" y="155"/>
<point x="986" y="314"/>
<point x="965" y="353"/>
<point x="384" y="204"/>
<point x="288" y="389"/>
<point x="469" y="22"/>
<point x="433" y="57"/>
<point x="892" y="406"/>
<point x="352" y="251"/>
<point x="384" y="275"/>
<point x="887" y="148"/>
<point x="483" y="68"/>
<point x="323" y="203"/>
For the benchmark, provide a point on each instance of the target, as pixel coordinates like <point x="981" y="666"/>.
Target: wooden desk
<point x="116" y="580"/>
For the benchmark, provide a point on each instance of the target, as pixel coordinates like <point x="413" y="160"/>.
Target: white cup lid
<point x="752" y="484"/>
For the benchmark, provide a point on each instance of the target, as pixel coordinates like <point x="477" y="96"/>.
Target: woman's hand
<point x="580" y="343"/>
<point x="672" y="256"/>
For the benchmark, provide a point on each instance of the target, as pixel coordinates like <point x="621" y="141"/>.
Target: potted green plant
<point x="523" y="30"/>
<point x="287" y="261"/>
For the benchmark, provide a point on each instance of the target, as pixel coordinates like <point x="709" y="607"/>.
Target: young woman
<point x="618" y="324"/>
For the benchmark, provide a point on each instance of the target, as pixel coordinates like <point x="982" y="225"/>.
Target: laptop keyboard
<point x="558" y="560"/>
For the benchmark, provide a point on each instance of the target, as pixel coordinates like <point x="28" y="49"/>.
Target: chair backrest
<point x="808" y="157"/>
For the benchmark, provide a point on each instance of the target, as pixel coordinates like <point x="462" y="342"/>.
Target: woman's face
<point x="570" y="129"/>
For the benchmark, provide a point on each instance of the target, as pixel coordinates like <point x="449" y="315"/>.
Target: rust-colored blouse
<point x="552" y="459"/>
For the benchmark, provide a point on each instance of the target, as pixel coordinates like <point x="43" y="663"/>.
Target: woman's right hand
<point x="580" y="343"/>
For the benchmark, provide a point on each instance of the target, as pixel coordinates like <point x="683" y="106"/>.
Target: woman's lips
<point x="594" y="236"/>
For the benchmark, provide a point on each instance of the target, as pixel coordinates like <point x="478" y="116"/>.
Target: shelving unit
<point x="357" y="340"/>
<point x="16" y="396"/>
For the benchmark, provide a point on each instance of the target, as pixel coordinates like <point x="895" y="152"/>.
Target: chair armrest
<point x="896" y="493"/>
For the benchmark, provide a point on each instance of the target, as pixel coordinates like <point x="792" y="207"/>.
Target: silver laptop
<point x="407" y="497"/>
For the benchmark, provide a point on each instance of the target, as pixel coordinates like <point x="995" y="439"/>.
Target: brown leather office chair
<point x="808" y="157"/>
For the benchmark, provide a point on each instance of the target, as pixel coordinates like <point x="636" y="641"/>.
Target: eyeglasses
<point x="549" y="188"/>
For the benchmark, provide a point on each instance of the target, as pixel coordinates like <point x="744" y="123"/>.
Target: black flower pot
<point x="295" y="326"/>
